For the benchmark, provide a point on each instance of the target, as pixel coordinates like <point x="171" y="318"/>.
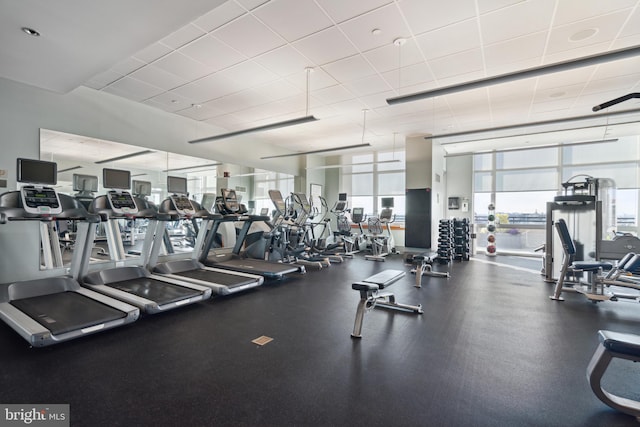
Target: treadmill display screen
<point x="41" y="201"/>
<point x="122" y="202"/>
<point x="183" y="205"/>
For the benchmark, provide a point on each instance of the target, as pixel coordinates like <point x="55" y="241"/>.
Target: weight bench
<point x="613" y="344"/>
<point x="370" y="296"/>
<point x="424" y="267"/>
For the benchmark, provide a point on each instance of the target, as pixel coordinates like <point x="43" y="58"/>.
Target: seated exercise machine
<point x="372" y="295"/>
<point x="424" y="267"/>
<point x="613" y="345"/>
<point x="599" y="283"/>
<point x="377" y="240"/>
<point x="47" y="306"/>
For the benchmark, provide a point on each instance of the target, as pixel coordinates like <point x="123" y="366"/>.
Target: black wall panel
<point x="417" y="232"/>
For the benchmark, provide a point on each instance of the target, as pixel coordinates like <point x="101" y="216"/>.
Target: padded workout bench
<point x="613" y="344"/>
<point x="370" y="296"/>
<point x="424" y="267"/>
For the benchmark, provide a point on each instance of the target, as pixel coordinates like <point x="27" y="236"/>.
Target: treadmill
<point x="231" y="260"/>
<point x="222" y="282"/>
<point x="129" y="280"/>
<point x="54" y="309"/>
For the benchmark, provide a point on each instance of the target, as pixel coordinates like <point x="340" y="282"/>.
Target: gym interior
<point x="314" y="213"/>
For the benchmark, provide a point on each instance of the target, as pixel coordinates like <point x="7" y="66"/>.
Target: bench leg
<point x="596" y="369"/>
<point x="357" y="326"/>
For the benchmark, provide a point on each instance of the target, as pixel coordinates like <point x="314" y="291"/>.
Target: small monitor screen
<point x="37" y="172"/>
<point x="116" y="178"/>
<point x="87" y="183"/>
<point x="176" y="185"/>
<point x="387" y="202"/>
<point x="141" y="188"/>
<point x="342" y="197"/>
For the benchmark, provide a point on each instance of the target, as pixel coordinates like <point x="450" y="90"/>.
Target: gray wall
<point x="83" y="111"/>
<point x="459" y="182"/>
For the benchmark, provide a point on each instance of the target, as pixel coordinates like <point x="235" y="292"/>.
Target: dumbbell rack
<point x="445" y="241"/>
<point x="461" y="239"/>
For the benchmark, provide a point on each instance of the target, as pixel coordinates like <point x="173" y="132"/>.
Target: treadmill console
<point x="40" y="200"/>
<point x="122" y="202"/>
<point x="182" y="204"/>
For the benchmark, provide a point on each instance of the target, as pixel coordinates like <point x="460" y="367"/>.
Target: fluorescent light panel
<point x="126" y="156"/>
<point x="286" y="123"/>
<point x="613" y="55"/>
<point x="533" y="147"/>
<point x="70" y="169"/>
<point x="326" y="150"/>
<point x="353" y="164"/>
<point x="192" y="167"/>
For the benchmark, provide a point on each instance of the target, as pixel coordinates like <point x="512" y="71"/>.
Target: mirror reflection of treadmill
<point x="233" y="261"/>
<point x="222" y="282"/>
<point x="133" y="283"/>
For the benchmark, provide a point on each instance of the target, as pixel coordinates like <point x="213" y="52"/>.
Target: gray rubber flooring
<point x="490" y="350"/>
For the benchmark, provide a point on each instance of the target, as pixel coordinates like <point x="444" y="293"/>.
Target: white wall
<point x="459" y="183"/>
<point x="84" y="111"/>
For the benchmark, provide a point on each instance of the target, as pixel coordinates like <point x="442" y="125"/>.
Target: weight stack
<point x="461" y="239"/>
<point x="445" y="241"/>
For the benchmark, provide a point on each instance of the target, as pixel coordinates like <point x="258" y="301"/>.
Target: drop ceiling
<point x="241" y="64"/>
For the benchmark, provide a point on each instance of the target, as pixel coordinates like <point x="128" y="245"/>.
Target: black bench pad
<point x="379" y="281"/>
<point x="618" y="342"/>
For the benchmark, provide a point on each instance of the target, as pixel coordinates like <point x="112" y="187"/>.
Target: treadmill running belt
<point x="67" y="311"/>
<point x="257" y="266"/>
<point x="217" y="277"/>
<point x="155" y="290"/>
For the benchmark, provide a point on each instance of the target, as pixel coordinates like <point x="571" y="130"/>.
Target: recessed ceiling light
<point x="30" y="31"/>
<point x="399" y="41"/>
<point x="583" y="35"/>
<point x="376" y="31"/>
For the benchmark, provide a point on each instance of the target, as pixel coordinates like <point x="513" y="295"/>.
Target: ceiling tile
<point x="390" y="57"/>
<point x="238" y="101"/>
<point x="127" y="66"/>
<point x="152" y="52"/>
<point x="632" y="26"/>
<point x="514" y="50"/>
<point x="183" y="66"/>
<point x="217" y="85"/>
<point x="212" y="52"/>
<point x="409" y="76"/>
<point x="103" y="79"/>
<point x="283" y="61"/>
<point x="378" y="100"/>
<point x="333" y="94"/>
<point x="158" y="77"/>
<point x="564" y="78"/>
<point x="219" y="16"/>
<point x="629" y="66"/>
<point x="183" y="36"/>
<point x="318" y="79"/>
<point x="386" y="19"/>
<point x="226" y="121"/>
<point x="248" y="36"/>
<point x="347" y="69"/>
<point x="622" y="84"/>
<point x="133" y="89"/>
<point x="426" y="15"/>
<point x="293" y="19"/>
<point x="341" y="10"/>
<point x="567" y="11"/>
<point x="248" y="74"/>
<point x="326" y="46"/>
<point x="171" y="101"/>
<point x="200" y="113"/>
<point x="485" y="6"/>
<point x="276" y="90"/>
<point x="606" y="27"/>
<point x="251" y="4"/>
<point x="460" y="36"/>
<point x="508" y="23"/>
<point x="457" y="64"/>
<point x="368" y="85"/>
<point x="558" y="94"/>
